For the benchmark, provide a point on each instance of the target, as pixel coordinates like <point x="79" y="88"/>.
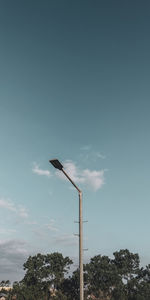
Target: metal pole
<point x="80" y="237"/>
<point x="81" y="246"/>
<point x="71" y="181"/>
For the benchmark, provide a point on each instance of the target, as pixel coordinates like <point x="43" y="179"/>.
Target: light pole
<point x="58" y="165"/>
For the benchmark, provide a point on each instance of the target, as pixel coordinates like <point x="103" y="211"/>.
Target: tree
<point x="102" y="276"/>
<point x="4" y="283"/>
<point x="45" y="271"/>
<point x="70" y="286"/>
<point x="119" y="292"/>
<point x="119" y="278"/>
<point x="143" y="284"/>
<point x="127" y="263"/>
<point x="114" y="278"/>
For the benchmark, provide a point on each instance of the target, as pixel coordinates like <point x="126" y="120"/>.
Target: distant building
<point x="3" y="296"/>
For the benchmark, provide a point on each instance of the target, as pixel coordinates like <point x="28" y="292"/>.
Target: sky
<point x="74" y="85"/>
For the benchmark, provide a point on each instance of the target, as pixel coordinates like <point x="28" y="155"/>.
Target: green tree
<point x="119" y="292"/>
<point x="4" y="283"/>
<point x="45" y="271"/>
<point x="70" y="286"/>
<point x="120" y="278"/>
<point x="127" y="263"/>
<point x="102" y="276"/>
<point x="142" y="284"/>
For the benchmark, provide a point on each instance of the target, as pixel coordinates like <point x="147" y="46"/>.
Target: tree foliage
<point x="44" y="274"/>
<point x="4" y="283"/>
<point x="70" y="286"/>
<point x="127" y="263"/>
<point x="118" y="278"/>
<point x="102" y="276"/>
<point x="43" y="269"/>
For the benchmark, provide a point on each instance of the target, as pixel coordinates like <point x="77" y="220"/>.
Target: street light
<point x="59" y="166"/>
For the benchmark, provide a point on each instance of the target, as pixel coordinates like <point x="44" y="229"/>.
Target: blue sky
<point x="74" y="84"/>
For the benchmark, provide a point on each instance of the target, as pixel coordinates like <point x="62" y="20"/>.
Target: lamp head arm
<point x="79" y="191"/>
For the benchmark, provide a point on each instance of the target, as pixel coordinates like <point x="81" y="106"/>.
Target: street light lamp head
<point x="56" y="164"/>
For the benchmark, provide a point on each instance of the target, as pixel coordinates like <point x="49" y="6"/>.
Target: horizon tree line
<point x="47" y="277"/>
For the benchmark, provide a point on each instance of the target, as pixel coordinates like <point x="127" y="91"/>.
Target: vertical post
<point x="80" y="236"/>
<point x="81" y="246"/>
<point x="58" y="165"/>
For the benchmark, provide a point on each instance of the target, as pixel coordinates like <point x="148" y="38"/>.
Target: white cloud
<point x="17" y="209"/>
<point x="7" y="204"/>
<point x="22" y="212"/>
<point x="93" y="179"/>
<point x="66" y="240"/>
<point x="51" y="226"/>
<point x="100" y="155"/>
<point x="91" y="155"/>
<point x="36" y="169"/>
<point x="72" y="171"/>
